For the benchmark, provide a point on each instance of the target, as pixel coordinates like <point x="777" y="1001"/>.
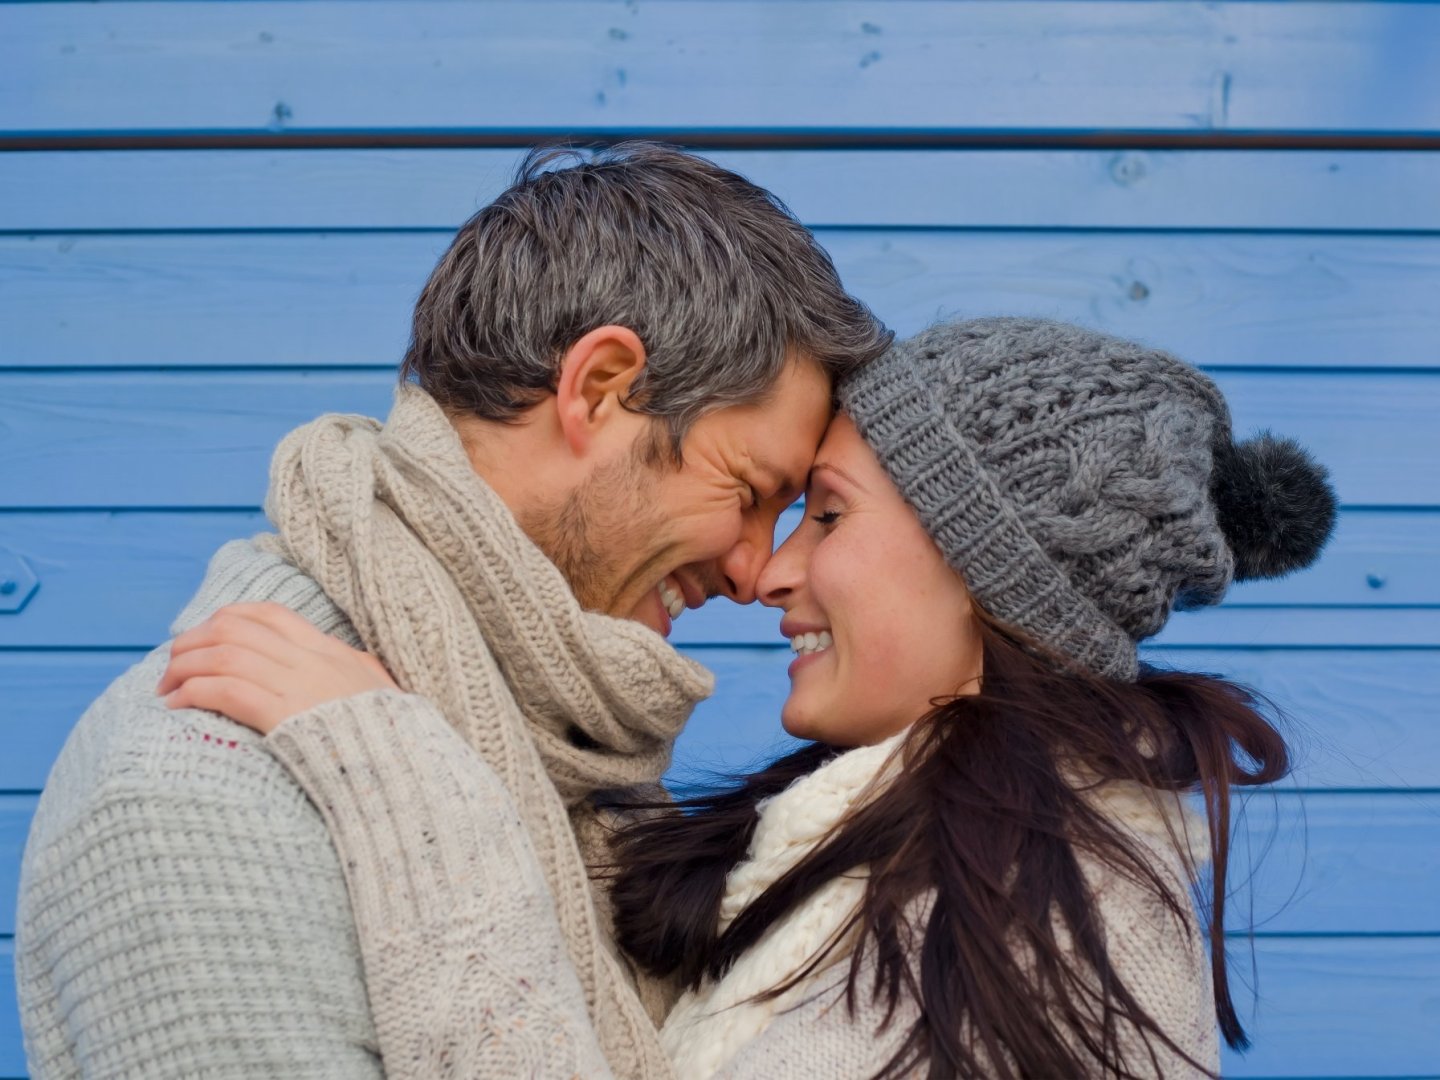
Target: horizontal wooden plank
<point x="1334" y="863"/>
<point x="12" y="1047"/>
<point x="194" y="438"/>
<point x="115" y="579"/>
<point x="1339" y="1007"/>
<point x="1270" y="190"/>
<point x="155" y="439"/>
<point x="15" y="814"/>
<point x="45" y="693"/>
<point x="1375" y="559"/>
<point x="1355" y="718"/>
<point x="1309" y="1026"/>
<point x="305" y="299"/>
<point x="724" y="66"/>
<point x="112" y="580"/>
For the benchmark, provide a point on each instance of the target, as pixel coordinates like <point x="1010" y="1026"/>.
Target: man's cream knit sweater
<point x="182" y="909"/>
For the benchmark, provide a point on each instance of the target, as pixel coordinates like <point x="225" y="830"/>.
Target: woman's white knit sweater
<point x="419" y="780"/>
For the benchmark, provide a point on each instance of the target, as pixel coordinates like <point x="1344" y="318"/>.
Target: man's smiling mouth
<point x="671" y="598"/>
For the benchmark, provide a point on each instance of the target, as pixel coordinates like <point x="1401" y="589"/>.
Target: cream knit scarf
<point x="709" y="1025"/>
<point x="444" y="587"/>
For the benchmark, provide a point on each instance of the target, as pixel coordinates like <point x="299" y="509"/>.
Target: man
<point x="618" y="376"/>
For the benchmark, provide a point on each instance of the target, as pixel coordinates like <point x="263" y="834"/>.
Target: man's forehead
<point x="787" y="475"/>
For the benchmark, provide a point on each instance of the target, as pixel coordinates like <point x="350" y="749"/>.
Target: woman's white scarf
<point x="709" y="1025"/>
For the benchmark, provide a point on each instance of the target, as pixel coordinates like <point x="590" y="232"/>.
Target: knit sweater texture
<point x="182" y="909"/>
<point x="415" y="785"/>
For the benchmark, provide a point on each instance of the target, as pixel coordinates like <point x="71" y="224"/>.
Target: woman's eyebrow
<point x="827" y="466"/>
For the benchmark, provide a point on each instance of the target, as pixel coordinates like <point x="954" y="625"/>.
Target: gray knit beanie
<point x="1084" y="486"/>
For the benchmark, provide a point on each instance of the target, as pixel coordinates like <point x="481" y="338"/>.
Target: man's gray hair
<point x="717" y="278"/>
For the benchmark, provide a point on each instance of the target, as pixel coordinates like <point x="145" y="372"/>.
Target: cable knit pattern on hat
<point x="1065" y="473"/>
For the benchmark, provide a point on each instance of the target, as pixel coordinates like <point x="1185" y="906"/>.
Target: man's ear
<point x="596" y="374"/>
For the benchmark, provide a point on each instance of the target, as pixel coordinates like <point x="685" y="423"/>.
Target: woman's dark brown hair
<point x="987" y="817"/>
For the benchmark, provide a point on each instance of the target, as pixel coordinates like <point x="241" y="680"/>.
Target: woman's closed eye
<point x="827" y="518"/>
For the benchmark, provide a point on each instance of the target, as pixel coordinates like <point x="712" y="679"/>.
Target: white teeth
<point x="674" y="602"/>
<point x="809" y="643"/>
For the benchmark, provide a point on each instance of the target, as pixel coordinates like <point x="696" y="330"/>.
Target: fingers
<point x="236" y="661"/>
<point x="229" y="626"/>
<point x="292" y="632"/>
<point x="261" y="663"/>
<point x="240" y="700"/>
<point x="292" y="627"/>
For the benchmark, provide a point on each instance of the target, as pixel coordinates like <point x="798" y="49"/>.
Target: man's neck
<point x="511" y="458"/>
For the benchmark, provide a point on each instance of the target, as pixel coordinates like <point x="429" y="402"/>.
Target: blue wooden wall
<point x="214" y="218"/>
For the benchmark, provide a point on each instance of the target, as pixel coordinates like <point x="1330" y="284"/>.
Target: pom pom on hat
<point x="1274" y="503"/>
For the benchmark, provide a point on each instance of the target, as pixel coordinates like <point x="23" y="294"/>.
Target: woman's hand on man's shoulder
<point x="260" y="664"/>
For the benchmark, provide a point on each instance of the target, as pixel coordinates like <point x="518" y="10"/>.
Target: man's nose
<point x="740" y="570"/>
<point x="742" y="565"/>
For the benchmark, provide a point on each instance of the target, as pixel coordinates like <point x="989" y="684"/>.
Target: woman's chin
<point x="797" y="724"/>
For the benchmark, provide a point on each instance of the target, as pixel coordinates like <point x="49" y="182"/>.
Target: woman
<point x="981" y="864"/>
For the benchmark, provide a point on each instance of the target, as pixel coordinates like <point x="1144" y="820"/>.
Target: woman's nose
<point x="783" y="573"/>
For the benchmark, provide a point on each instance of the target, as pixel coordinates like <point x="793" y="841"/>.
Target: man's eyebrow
<point x="786" y="482"/>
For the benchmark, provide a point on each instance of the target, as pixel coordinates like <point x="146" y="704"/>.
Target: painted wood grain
<point x="723" y="66"/>
<point x="193" y="438"/>
<point x="12" y="1049"/>
<point x="1335" y="863"/>
<point x="115" y="579"/>
<point x="1341" y="1007"/>
<point x="44" y="694"/>
<point x="305" y="299"/>
<point x="1266" y="190"/>
<point x="1354" y="718"/>
<point x="112" y="579"/>
<point x="15" y="814"/>
<point x="1310" y="1025"/>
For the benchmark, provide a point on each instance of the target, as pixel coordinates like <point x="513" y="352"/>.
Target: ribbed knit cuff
<point x="421" y="823"/>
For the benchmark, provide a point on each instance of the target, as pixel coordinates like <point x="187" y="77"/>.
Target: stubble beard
<point x="592" y="533"/>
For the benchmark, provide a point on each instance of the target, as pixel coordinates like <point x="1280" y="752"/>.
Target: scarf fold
<point x="443" y="586"/>
<point x="710" y="1024"/>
